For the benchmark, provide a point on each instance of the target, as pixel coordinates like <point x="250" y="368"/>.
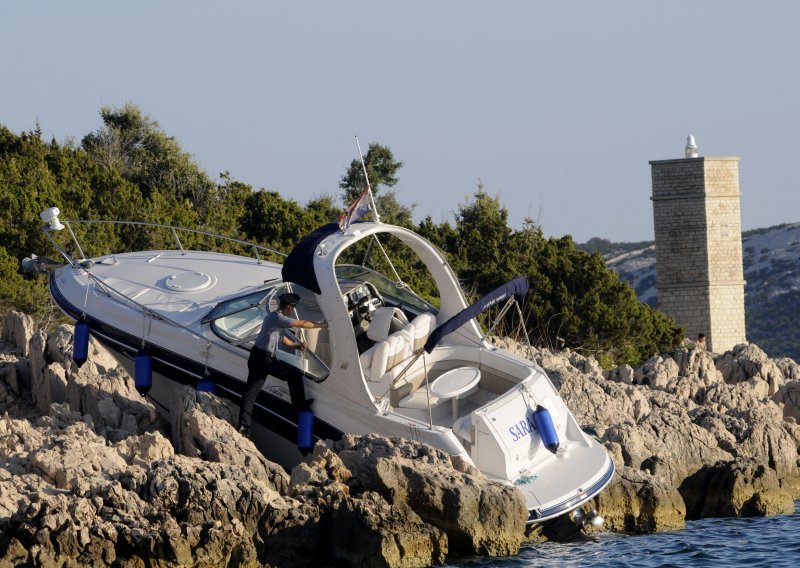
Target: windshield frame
<point x="386" y="287"/>
<point x="308" y="362"/>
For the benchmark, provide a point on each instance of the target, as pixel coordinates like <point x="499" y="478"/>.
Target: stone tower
<point x="699" y="246"/>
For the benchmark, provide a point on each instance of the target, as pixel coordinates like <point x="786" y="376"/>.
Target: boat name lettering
<point x="276" y="390"/>
<point x="521" y="429"/>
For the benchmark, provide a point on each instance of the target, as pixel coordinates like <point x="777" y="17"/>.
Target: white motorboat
<point x="390" y="363"/>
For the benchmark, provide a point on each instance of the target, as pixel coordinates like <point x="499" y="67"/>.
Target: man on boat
<point x="263" y="359"/>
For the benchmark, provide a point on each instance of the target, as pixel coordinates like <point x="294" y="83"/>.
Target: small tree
<point x="133" y="144"/>
<point x="483" y="242"/>
<point x="381" y="168"/>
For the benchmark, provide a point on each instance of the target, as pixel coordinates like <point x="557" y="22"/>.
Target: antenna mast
<point x="369" y="188"/>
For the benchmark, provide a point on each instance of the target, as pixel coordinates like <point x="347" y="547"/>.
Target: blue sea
<point x="753" y="542"/>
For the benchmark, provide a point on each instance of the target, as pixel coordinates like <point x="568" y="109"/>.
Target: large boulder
<point x="202" y="428"/>
<point x="593" y="407"/>
<point x="18" y="329"/>
<point x="478" y="515"/>
<point x="789" y="396"/>
<point x="368" y="531"/>
<point x="789" y="369"/>
<point x="195" y="491"/>
<point x="746" y="394"/>
<point x="100" y="388"/>
<point x="699" y="364"/>
<point x="762" y="436"/>
<point x="738" y="488"/>
<point x="657" y="372"/>
<point x="48" y="387"/>
<point x="61" y="344"/>
<point x="72" y="498"/>
<point x="74" y="457"/>
<point x="756" y="432"/>
<point x="36" y="357"/>
<point x="638" y="502"/>
<point x="14" y="367"/>
<point x="669" y="434"/>
<point x="748" y="361"/>
<point x="587" y="365"/>
<point x="365" y="530"/>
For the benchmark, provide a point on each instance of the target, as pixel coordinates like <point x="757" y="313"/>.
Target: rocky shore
<point x="90" y="476"/>
<point x="693" y="434"/>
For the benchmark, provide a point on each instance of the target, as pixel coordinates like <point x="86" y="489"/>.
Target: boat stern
<point x="529" y="437"/>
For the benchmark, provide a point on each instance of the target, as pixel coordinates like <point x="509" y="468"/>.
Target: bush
<point x="131" y="170"/>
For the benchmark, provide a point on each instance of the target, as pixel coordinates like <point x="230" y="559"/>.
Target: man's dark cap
<point x="288" y="299"/>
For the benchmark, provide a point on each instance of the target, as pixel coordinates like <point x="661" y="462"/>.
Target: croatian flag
<point x="358" y="209"/>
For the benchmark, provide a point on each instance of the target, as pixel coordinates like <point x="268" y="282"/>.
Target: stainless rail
<point x="112" y="292"/>
<point x="174" y="229"/>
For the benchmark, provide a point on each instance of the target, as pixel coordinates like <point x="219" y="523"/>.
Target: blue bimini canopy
<point x="517" y="288"/>
<point x="298" y="267"/>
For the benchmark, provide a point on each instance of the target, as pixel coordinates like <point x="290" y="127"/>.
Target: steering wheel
<point x="367" y="305"/>
<point x="375" y="295"/>
<point x="362" y="308"/>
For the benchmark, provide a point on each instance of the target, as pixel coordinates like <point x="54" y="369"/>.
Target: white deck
<point x="143" y="277"/>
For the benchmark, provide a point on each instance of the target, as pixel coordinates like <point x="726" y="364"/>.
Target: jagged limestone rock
<point x="202" y="428"/>
<point x="638" y="502"/>
<point x="738" y="488"/>
<point x="370" y="532"/>
<point x="478" y="515"/>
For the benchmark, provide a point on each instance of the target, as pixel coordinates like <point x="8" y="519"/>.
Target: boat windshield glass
<point x="386" y="287"/>
<point x="238" y="305"/>
<point x="238" y="321"/>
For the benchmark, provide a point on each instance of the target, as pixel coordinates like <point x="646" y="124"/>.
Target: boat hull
<point x="274" y="428"/>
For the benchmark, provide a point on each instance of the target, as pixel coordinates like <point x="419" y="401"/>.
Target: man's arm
<point x="303" y="324"/>
<point x="308" y="324"/>
<point x="294" y="344"/>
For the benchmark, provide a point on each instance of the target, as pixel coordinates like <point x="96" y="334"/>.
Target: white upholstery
<point x="419" y="399"/>
<point x="366" y="360"/>
<point x="420" y="328"/>
<point x="385" y="320"/>
<point x="318" y="342"/>
<point x="389" y="353"/>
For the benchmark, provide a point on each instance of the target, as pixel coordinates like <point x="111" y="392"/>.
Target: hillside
<point x="771" y="268"/>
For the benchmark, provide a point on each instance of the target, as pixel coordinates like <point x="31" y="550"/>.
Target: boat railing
<point x="52" y="223"/>
<point x="257" y="249"/>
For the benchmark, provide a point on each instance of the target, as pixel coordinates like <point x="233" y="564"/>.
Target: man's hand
<point x="301" y="346"/>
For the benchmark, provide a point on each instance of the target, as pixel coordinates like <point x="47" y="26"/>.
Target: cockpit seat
<point x="400" y="345"/>
<point x="420" y="328"/>
<point x="385" y="355"/>
<point x="385" y="321"/>
<point x="318" y="342"/>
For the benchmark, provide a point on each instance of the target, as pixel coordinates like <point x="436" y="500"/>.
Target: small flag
<point x="358" y="209"/>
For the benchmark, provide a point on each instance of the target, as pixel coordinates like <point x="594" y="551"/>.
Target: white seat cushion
<point x="387" y="354"/>
<point x="385" y="321"/>
<point x="419" y="399"/>
<point x="420" y="328"/>
<point x="366" y="358"/>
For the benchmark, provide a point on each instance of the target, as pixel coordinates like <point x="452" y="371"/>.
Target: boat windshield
<point x="237" y="305"/>
<point x="238" y="321"/>
<point x="386" y="287"/>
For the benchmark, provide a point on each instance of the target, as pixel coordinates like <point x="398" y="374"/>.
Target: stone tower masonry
<point x="699" y="246"/>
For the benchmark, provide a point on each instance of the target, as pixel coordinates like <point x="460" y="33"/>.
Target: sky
<point x="555" y="107"/>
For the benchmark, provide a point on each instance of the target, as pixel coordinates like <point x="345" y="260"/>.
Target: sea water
<point x="752" y="542"/>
